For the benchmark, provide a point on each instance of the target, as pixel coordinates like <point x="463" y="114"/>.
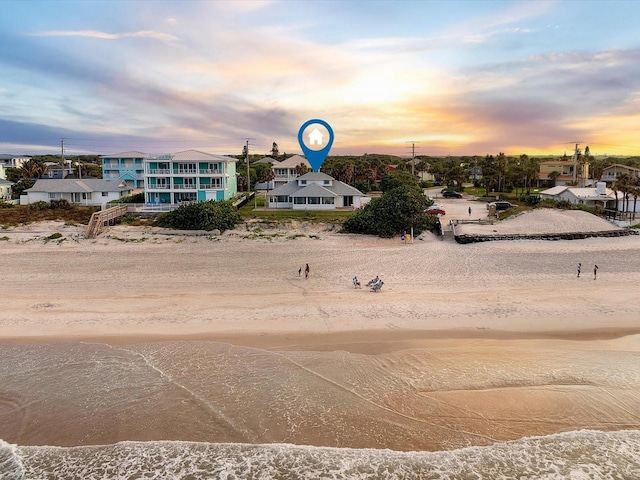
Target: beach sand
<point x="510" y="332"/>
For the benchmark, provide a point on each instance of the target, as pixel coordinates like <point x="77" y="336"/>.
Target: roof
<point x="583" y="193"/>
<point x="621" y="166"/>
<point x="5" y="182"/>
<point x="315" y="176"/>
<point x="314" y="190"/>
<point x="129" y="154"/>
<point x="77" y="186"/>
<point x="292" y="162"/>
<point x="198" y="156"/>
<point x="336" y="189"/>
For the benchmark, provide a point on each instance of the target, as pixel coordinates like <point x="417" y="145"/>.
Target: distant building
<point x="125" y="167"/>
<point x="599" y="196"/>
<point x="9" y="161"/>
<point x="611" y="173"/>
<point x="315" y="191"/>
<point x="189" y="176"/>
<point x="86" y="191"/>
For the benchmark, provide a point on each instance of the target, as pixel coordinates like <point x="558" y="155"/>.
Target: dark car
<point x="500" y="205"/>
<point x="451" y="194"/>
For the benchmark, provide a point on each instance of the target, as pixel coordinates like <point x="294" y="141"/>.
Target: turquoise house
<point x="127" y="168"/>
<point x="189" y="176"/>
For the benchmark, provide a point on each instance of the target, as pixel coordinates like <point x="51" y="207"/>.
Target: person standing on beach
<point x="595" y="271"/>
<point x="469" y="211"/>
<point x="306" y="271"/>
<point x="299" y="271"/>
<point x="579" y="268"/>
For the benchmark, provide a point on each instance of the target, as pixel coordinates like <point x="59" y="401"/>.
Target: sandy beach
<point x="492" y="341"/>
<point x="141" y="281"/>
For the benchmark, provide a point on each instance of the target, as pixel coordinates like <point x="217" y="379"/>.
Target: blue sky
<point x="457" y="77"/>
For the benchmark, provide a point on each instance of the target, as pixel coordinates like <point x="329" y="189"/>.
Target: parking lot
<point x="458" y="208"/>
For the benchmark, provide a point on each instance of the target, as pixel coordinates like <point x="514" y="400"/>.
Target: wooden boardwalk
<point x="100" y="220"/>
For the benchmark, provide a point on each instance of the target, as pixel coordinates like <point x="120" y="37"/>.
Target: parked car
<point x="435" y="210"/>
<point x="451" y="194"/>
<point x="500" y="205"/>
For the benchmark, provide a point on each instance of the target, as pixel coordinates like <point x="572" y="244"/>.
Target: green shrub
<point x="396" y="211"/>
<point x="60" y="203"/>
<point x="207" y="215"/>
<point x="40" y="205"/>
<point x="6" y="205"/>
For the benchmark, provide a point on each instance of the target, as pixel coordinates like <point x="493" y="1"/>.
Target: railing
<point x="99" y="220"/>
<point x="158" y="187"/>
<point x="159" y="171"/>
<point x="184" y="187"/>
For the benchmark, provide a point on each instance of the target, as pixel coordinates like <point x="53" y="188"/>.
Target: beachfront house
<point x="81" y="191"/>
<point x="288" y="170"/>
<point x="125" y="167"/>
<point x="315" y="191"/>
<point x="189" y="176"/>
<point x="599" y="196"/>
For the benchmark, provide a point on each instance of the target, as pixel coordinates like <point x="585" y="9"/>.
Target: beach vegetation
<point x="396" y="211"/>
<point x="4" y="239"/>
<point x="209" y="215"/>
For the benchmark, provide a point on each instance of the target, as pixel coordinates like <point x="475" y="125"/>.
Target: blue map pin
<point x="317" y="148"/>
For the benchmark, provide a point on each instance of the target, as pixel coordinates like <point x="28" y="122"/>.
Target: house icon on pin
<point x="315" y="137"/>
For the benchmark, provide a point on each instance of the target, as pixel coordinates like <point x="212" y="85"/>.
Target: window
<point x="299" y="200"/>
<point x="54" y="196"/>
<point x="86" y="195"/>
<point x="348" y="200"/>
<point x="327" y="182"/>
<point x="303" y="182"/>
<point x="105" y="194"/>
<point x="327" y="200"/>
<point x="314" y="201"/>
<point x="282" y="199"/>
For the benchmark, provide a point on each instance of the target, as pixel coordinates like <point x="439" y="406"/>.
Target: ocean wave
<point x="574" y="455"/>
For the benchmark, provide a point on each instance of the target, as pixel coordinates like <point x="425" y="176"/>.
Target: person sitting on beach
<point x="376" y="287"/>
<point x="374" y="281"/>
<point x="356" y="282"/>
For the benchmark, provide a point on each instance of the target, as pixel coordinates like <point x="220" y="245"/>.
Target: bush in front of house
<point x="209" y="215"/>
<point x="396" y="211"/>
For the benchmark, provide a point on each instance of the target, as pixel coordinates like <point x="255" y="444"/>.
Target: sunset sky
<point x="457" y="78"/>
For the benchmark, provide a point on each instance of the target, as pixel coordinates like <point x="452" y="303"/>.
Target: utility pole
<point x="246" y="151"/>
<point x="576" y="152"/>
<point x="413" y="156"/>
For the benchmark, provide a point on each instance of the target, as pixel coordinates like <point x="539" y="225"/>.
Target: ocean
<point x="205" y="410"/>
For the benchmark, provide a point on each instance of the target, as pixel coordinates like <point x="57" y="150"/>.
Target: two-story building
<point x="315" y="191"/>
<point x="125" y="167"/>
<point x="611" y="173"/>
<point x="287" y="170"/>
<point x="189" y="176"/>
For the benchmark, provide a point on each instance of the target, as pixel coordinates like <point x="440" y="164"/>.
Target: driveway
<point x="457" y="208"/>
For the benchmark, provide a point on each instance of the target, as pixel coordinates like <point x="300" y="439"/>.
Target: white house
<point x="84" y="191"/>
<point x="315" y="191"/>
<point x="285" y="171"/>
<point x="598" y="196"/>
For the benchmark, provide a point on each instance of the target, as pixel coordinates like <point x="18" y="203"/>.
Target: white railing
<point x="184" y="187"/>
<point x="159" y="187"/>
<point x="159" y="171"/>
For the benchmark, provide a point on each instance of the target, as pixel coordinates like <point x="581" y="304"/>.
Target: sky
<point x="390" y="77"/>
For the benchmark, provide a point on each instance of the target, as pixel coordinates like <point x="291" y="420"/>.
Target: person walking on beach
<point x="595" y="271"/>
<point x="579" y="268"/>
<point x="469" y="211"/>
<point x="299" y="271"/>
<point x="306" y="271"/>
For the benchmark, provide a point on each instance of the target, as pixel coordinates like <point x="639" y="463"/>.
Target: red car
<point x="435" y="211"/>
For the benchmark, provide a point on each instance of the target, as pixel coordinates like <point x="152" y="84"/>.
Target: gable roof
<point x="129" y="154"/>
<point x="292" y="162"/>
<point x="198" y="156"/>
<point x="314" y="190"/>
<point x="77" y="186"/>
<point x="337" y="188"/>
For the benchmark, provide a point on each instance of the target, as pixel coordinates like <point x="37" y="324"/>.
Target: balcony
<point x="159" y="187"/>
<point x="159" y="171"/>
<point x="184" y="187"/>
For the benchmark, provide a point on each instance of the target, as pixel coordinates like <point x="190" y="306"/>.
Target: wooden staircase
<point x="100" y="220"/>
